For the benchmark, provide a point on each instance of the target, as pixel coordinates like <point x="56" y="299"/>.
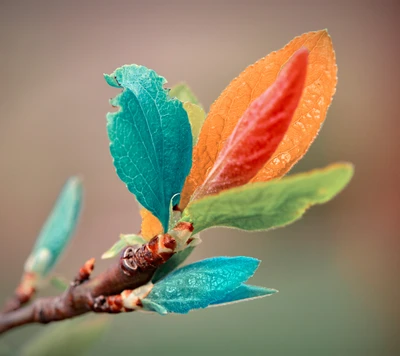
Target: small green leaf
<point x="150" y="139"/>
<point x="183" y="93"/>
<point x="65" y="338"/>
<point x="199" y="284"/>
<point x="125" y="240"/>
<point x="174" y="262"/>
<point x="261" y="206"/>
<point x="196" y="118"/>
<point x="59" y="282"/>
<point x="58" y="229"/>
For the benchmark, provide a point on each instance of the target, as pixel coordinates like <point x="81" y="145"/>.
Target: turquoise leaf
<point x="57" y="230"/>
<point x="199" y="284"/>
<point x="245" y="292"/>
<point x="174" y="262"/>
<point x="150" y="139"/>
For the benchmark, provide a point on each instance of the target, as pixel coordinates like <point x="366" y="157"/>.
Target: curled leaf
<point x="250" y="84"/>
<point x="259" y="131"/>
<point x="150" y="139"/>
<point x="58" y="229"/>
<point x="265" y="205"/>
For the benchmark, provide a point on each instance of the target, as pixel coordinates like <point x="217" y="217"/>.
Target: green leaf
<point x="172" y="264"/>
<point x="196" y="118"/>
<point x="261" y="206"/>
<point x="65" y="338"/>
<point x="124" y="241"/>
<point x="59" y="282"/>
<point x="183" y="93"/>
<point x="58" y="229"/>
<point x="199" y="284"/>
<point x="150" y="139"/>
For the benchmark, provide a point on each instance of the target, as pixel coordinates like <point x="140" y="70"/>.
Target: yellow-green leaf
<point x="124" y="240"/>
<point x="265" y="205"/>
<point x="196" y="117"/>
<point x="183" y="93"/>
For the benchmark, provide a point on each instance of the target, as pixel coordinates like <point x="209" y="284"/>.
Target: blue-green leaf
<point x="200" y="284"/>
<point x="172" y="264"/>
<point x="58" y="229"/>
<point x="243" y="293"/>
<point x="150" y="139"/>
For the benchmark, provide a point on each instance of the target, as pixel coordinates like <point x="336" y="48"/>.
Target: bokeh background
<point x="337" y="269"/>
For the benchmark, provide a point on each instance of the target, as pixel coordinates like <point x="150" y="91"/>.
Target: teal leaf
<point x="58" y="229"/>
<point x="69" y="337"/>
<point x="150" y="139"/>
<point x="265" y="205"/>
<point x="174" y="262"/>
<point x="245" y="292"/>
<point x="200" y="284"/>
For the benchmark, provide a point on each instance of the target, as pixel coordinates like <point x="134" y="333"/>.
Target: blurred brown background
<point x="337" y="269"/>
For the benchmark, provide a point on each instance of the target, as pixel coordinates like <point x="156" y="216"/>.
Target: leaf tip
<point x="111" y="80"/>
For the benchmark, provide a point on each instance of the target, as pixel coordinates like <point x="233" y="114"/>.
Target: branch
<point x="135" y="268"/>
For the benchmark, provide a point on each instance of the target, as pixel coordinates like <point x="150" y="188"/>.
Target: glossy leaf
<point x="150" y="139"/>
<point x="124" y="241"/>
<point x="249" y="85"/>
<point x="265" y="205"/>
<point x="69" y="337"/>
<point x="259" y="131"/>
<point x="244" y="293"/>
<point x="183" y="93"/>
<point x="174" y="262"/>
<point x="200" y="284"/>
<point x="57" y="230"/>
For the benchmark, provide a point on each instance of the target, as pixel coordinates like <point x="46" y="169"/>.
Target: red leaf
<point x="259" y="131"/>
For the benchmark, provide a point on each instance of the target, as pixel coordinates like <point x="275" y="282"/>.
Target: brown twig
<point x="23" y="293"/>
<point x="134" y="268"/>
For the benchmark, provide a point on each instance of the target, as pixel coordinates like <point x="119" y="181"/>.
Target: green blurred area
<point x="337" y="269"/>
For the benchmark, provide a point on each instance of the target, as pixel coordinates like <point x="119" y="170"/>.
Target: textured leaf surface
<point x="151" y="226"/>
<point x="57" y="230"/>
<point x="251" y="83"/>
<point x="150" y="139"/>
<point x="196" y="118"/>
<point x="259" y="131"/>
<point x="264" y="205"/>
<point x="200" y="284"/>
<point x="244" y="293"/>
<point x="174" y="262"/>
<point x="66" y="338"/>
<point x="124" y="240"/>
<point x="183" y="93"/>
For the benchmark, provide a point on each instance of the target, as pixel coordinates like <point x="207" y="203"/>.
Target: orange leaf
<point x="151" y="226"/>
<point x="252" y="82"/>
<point x="259" y="131"/>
